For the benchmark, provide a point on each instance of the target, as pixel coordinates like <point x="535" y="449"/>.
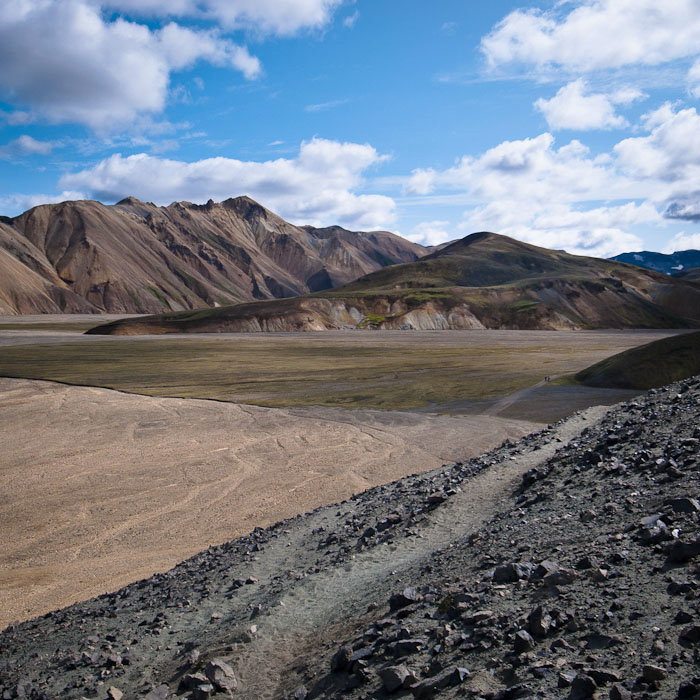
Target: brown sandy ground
<point x="100" y="488"/>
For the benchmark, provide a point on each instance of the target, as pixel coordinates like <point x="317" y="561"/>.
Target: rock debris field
<point x="564" y="565"/>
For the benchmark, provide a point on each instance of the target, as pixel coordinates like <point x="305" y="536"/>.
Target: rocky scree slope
<point x="484" y="280"/>
<point x="136" y="257"/>
<point x="566" y="565"/>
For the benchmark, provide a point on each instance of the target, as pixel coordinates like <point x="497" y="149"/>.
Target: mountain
<point x="484" y="280"/>
<point x="136" y="257"/>
<point x="669" y="264"/>
<point x="563" y="565"/>
<point x="647" y="366"/>
<point x="692" y="274"/>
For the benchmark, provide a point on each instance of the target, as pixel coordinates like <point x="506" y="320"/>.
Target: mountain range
<point x="484" y="280"/>
<point x="136" y="257"/>
<point x="668" y="263"/>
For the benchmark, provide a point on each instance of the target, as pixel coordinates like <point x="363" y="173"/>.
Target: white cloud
<point x="600" y="232"/>
<point x="431" y="233"/>
<point x="574" y="107"/>
<point x="14" y="204"/>
<point x="318" y="186"/>
<point x="281" y="17"/>
<point x="65" y="63"/>
<point x="26" y="145"/>
<point x="585" y="35"/>
<point x="351" y="20"/>
<point x="529" y="169"/>
<point x="17" y="117"/>
<point x="669" y="157"/>
<point x="323" y="106"/>
<point x="694" y="79"/>
<point x="683" y="241"/>
<point x="531" y="190"/>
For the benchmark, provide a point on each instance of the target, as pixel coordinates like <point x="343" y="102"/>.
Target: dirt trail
<point x="316" y="607"/>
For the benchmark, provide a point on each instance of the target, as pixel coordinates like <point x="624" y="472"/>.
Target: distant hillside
<point x="668" y="264"/>
<point x="136" y="257"/>
<point x="690" y="275"/>
<point x="648" y="366"/>
<point x="484" y="280"/>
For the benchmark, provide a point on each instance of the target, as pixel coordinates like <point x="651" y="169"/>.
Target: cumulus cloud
<point x="14" y="204"/>
<point x="281" y="17"/>
<point x="431" y="233"/>
<point x="534" y="191"/>
<point x="669" y="157"/>
<point x="683" y="241"/>
<point x="26" y="145"/>
<point x="318" y="186"/>
<point x="64" y="62"/>
<point x="694" y="79"/>
<point x="574" y="107"/>
<point x="600" y="231"/>
<point x="586" y="35"/>
<point x="528" y="169"/>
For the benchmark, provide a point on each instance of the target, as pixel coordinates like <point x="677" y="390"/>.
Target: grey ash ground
<point x="566" y="565"/>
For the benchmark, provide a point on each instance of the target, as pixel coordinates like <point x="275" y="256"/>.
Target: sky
<point x="570" y="124"/>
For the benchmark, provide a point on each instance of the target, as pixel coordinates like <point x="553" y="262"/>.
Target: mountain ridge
<point x="484" y="280"/>
<point x="668" y="263"/>
<point x="136" y="257"/>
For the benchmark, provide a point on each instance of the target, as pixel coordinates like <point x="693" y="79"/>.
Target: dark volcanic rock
<point x="536" y="601"/>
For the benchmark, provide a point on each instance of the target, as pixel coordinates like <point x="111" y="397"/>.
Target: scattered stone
<point x="582" y="687"/>
<point x="221" y="675"/>
<point x="682" y="552"/>
<point x="619" y="692"/>
<point x="689" y="689"/>
<point x="449" y="677"/>
<point x="340" y="661"/>
<point x="690" y="635"/>
<point x="539" y="622"/>
<point x="523" y="642"/>
<point x="203" y="692"/>
<point x="160" y="692"/>
<point x="114" y="693"/>
<point x="652" y="674"/>
<point x="511" y="573"/>
<point x="562" y="577"/>
<point x="407" y="597"/>
<point x="394" y="677"/>
<point x="685" y="505"/>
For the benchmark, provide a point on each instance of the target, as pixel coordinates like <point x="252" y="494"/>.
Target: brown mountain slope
<point x="136" y="257"/>
<point x="647" y="366"/>
<point x="690" y="275"/>
<point x="481" y="281"/>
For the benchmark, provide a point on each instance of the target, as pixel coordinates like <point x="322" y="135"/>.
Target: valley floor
<point x="101" y="488"/>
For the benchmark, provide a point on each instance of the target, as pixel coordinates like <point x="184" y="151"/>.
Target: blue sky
<point x="569" y="124"/>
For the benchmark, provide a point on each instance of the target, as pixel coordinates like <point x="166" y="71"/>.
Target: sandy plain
<point x="101" y="488"/>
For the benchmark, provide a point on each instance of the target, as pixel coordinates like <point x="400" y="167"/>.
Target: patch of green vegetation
<point x="135" y="297"/>
<point x="159" y="296"/>
<point x="525" y="305"/>
<point x="383" y="370"/>
<point x="372" y="321"/>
